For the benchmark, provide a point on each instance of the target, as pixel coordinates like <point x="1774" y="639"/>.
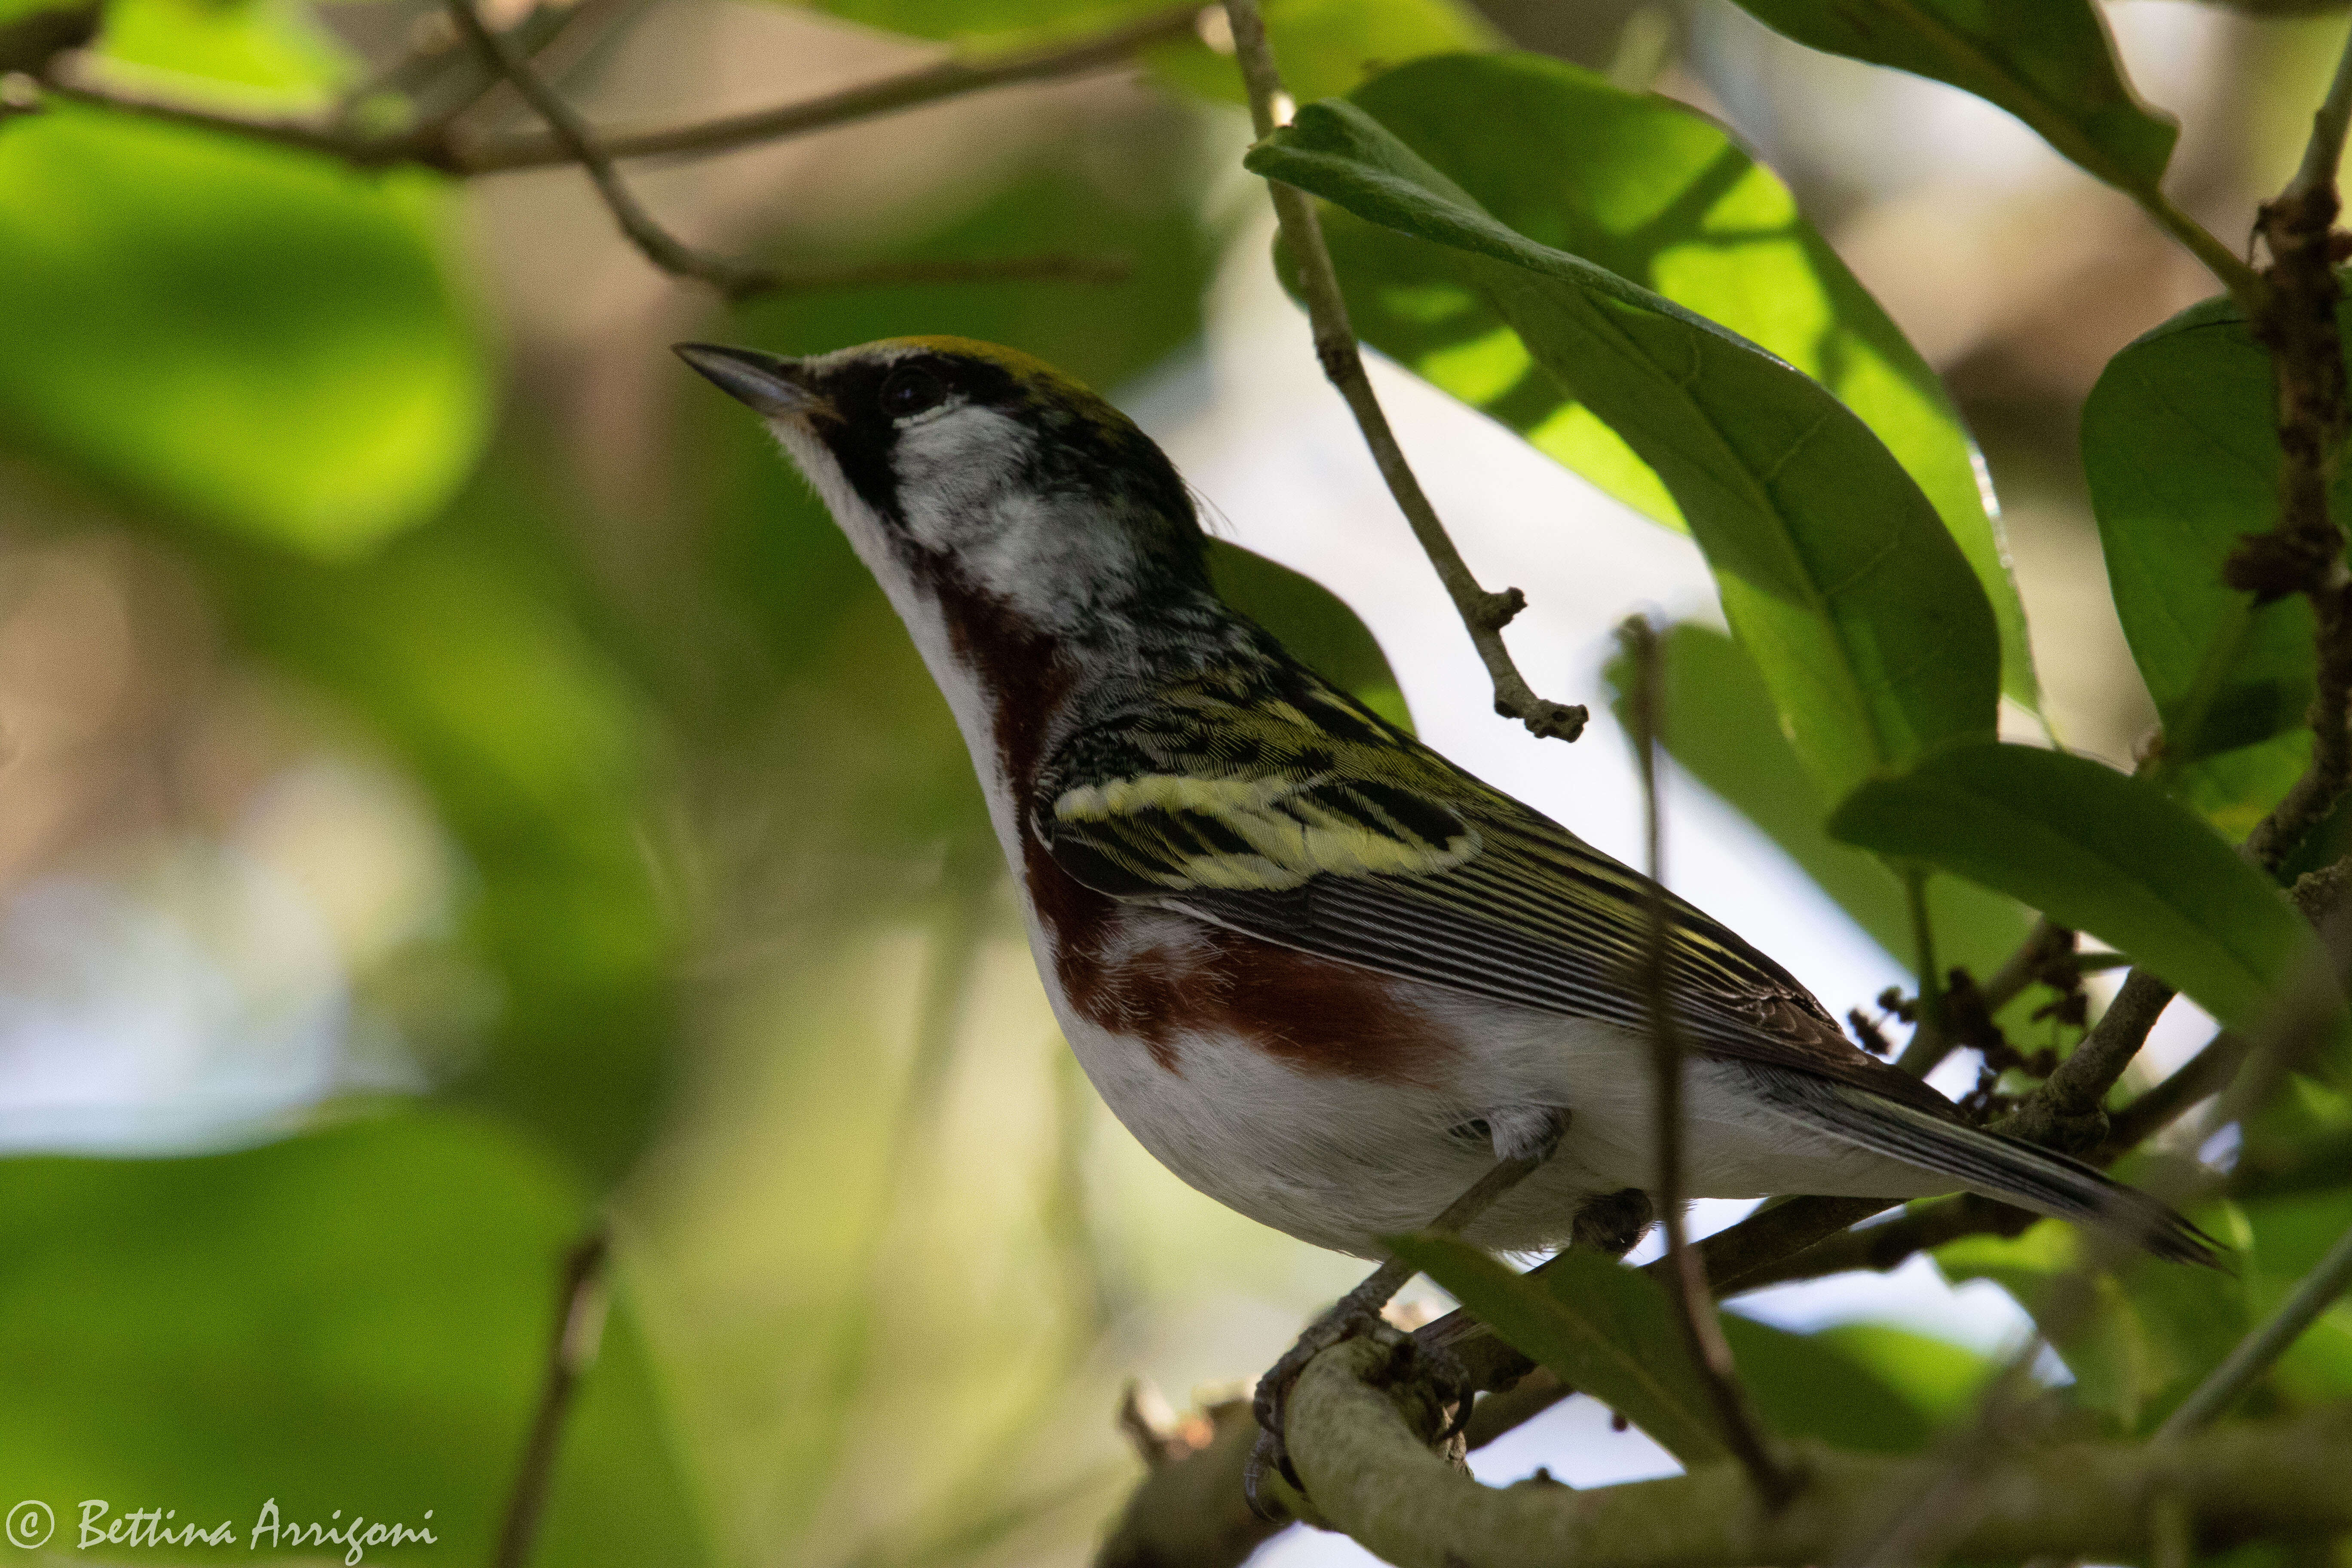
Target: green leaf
<point x="1658" y="193"/>
<point x="1835" y="572"/>
<point x="1813" y="1385"/>
<point x="1313" y="623"/>
<point x="1718" y="725"/>
<point x="1606" y="1330"/>
<point x="2098" y="851"/>
<point x="355" y="1319"/>
<point x="265" y="341"/>
<point x="2049" y="62"/>
<point x="2180" y="445"/>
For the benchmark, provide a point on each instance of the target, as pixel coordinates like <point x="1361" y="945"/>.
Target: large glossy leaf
<point x="2180" y="445"/>
<point x="1606" y="1330"/>
<point x="2049" y="62"/>
<point x="356" y="1320"/>
<point x="2098" y="851"/>
<point x="265" y="342"/>
<point x="1718" y="725"/>
<point x="1658" y="193"/>
<point x="1834" y="570"/>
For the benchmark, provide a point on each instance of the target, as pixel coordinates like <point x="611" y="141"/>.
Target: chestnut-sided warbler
<point x="1323" y="974"/>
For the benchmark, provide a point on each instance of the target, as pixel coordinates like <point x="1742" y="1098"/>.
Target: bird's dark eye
<point x="910" y="390"/>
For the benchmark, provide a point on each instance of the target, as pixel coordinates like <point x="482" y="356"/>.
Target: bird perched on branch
<point x="1322" y="974"/>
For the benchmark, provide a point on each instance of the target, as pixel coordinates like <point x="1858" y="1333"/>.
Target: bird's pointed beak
<point x="770" y="386"/>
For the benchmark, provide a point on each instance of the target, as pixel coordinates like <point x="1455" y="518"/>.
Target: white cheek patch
<point x="1047" y="555"/>
<point x="953" y="470"/>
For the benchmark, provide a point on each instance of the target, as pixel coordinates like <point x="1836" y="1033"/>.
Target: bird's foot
<point x="1406" y="1358"/>
<point x="1612" y="1222"/>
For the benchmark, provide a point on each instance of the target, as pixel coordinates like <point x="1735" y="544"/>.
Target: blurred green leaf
<point x="1941" y="1381"/>
<point x="1658" y="193"/>
<point x="2290" y="1236"/>
<point x="2098" y="851"/>
<point x="352" y="1319"/>
<point x="2234" y="790"/>
<point x="2180" y="445"/>
<point x="1835" y="572"/>
<point x="1325" y="47"/>
<point x="255" y="54"/>
<point x="2049" y="62"/>
<point x="1811" y="1386"/>
<point x="1313" y="623"/>
<point x="2154" y="1330"/>
<point x="265" y="341"/>
<point x="1718" y="724"/>
<point x="1605" y="1330"/>
<point x="463" y="648"/>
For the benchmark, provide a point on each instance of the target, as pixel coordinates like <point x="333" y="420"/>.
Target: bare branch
<point x="1363" y="1449"/>
<point x="435" y="144"/>
<point x="2064" y="1111"/>
<point x="2304" y="551"/>
<point x="578" y="1329"/>
<point x="950" y="77"/>
<point x="1686" y="1274"/>
<point x="64" y="81"/>
<point x="731" y="278"/>
<point x="661" y="247"/>
<point x="1483" y="615"/>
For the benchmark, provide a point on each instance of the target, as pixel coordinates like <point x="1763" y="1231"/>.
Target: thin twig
<point x="2064" y="1111"/>
<point x="661" y="247"/>
<point x="1931" y="1041"/>
<point x="2255" y="1352"/>
<point x="1924" y="1526"/>
<point x="1483" y="614"/>
<point x="435" y="144"/>
<point x="1686" y="1274"/>
<point x="2043" y="946"/>
<point x="2323" y="153"/>
<point x="62" y="81"/>
<point x="950" y="78"/>
<point x="580" y="1302"/>
<point x="731" y="278"/>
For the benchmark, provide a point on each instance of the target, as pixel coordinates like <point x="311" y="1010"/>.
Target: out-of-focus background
<point x="454" y="782"/>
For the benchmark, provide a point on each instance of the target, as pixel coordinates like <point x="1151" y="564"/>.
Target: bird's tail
<point x="2000" y="1167"/>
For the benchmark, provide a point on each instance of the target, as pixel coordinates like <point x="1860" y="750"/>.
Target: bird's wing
<point x="1265" y="802"/>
